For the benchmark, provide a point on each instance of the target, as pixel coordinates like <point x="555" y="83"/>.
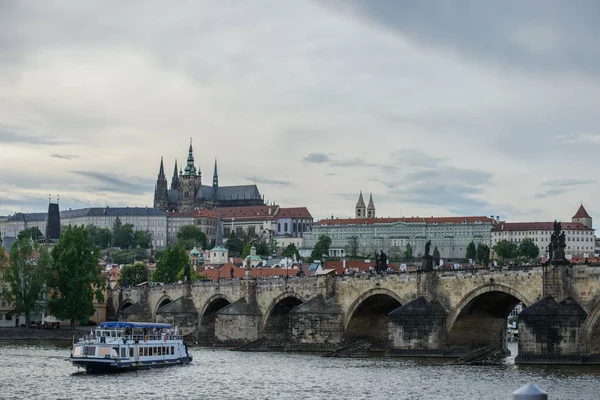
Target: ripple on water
<point x="40" y="372"/>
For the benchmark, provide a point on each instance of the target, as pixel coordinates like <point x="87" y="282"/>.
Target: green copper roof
<point x="219" y="248"/>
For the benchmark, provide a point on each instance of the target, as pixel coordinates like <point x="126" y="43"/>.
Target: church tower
<point x="583" y="217"/>
<point x="215" y="177"/>
<point x="361" y="209"/>
<point x="161" y="200"/>
<point x="371" y="207"/>
<point x="175" y="178"/>
<point x="188" y="184"/>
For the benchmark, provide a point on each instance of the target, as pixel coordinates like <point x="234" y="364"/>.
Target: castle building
<point x="579" y="234"/>
<point x="187" y="192"/>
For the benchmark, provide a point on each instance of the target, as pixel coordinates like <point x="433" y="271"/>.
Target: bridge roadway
<point x="438" y="313"/>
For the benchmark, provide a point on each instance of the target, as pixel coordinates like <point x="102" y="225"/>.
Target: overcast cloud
<point x="437" y="108"/>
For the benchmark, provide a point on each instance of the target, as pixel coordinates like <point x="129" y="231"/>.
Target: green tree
<point x="408" y="253"/>
<point x="471" y="251"/>
<point x="506" y="250"/>
<point x="395" y="254"/>
<point x="134" y="274"/>
<point x="169" y="262"/>
<point x="31" y="233"/>
<point x="290" y="251"/>
<point x="76" y="277"/>
<point x="352" y="247"/>
<point x="102" y="237"/>
<point x="480" y="254"/>
<point x="235" y="244"/>
<point x="321" y="247"/>
<point x="528" y="250"/>
<point x="247" y="248"/>
<point x="26" y="275"/>
<point x="122" y="234"/>
<point x="191" y="236"/>
<point x="142" y="239"/>
<point x="194" y="276"/>
<point x="266" y="246"/>
<point x="436" y="256"/>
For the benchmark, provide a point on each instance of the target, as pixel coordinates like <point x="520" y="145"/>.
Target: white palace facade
<point x="451" y="235"/>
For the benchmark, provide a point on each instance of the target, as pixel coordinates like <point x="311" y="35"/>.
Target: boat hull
<point x="99" y="365"/>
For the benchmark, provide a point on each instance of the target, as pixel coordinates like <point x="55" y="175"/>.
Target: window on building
<point x="97" y="313"/>
<point x="285" y="227"/>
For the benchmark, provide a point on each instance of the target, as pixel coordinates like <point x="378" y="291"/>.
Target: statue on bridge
<point x="556" y="248"/>
<point x="486" y="256"/>
<point x="186" y="273"/>
<point x="383" y="263"/>
<point x="427" y="258"/>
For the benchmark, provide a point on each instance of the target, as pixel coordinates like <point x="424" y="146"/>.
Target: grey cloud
<point x="580" y="138"/>
<point x="535" y="35"/>
<point x="12" y="135"/>
<point x="316" y="158"/>
<point x="559" y="187"/>
<point x="116" y="183"/>
<point x="267" y="181"/>
<point x="63" y="156"/>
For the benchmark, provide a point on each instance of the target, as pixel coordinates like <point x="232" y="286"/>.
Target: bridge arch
<point x="163" y="301"/>
<point x="479" y="319"/>
<point x="367" y="317"/>
<point x="276" y="321"/>
<point x="208" y="317"/>
<point x="126" y="303"/>
<point x="592" y="331"/>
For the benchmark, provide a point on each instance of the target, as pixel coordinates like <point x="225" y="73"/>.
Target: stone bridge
<point x="437" y="313"/>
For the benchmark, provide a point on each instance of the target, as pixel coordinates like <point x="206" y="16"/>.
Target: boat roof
<point x="122" y="324"/>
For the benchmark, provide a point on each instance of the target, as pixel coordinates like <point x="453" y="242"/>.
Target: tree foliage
<point x="134" y="274"/>
<point x="408" y="253"/>
<point x="506" y="250"/>
<point x="471" y="252"/>
<point x="191" y="236"/>
<point x="480" y="253"/>
<point x="123" y="257"/>
<point x="235" y="244"/>
<point x="102" y="237"/>
<point x="528" y="249"/>
<point x="436" y="256"/>
<point x="247" y="249"/>
<point x="31" y="233"/>
<point x="169" y="262"/>
<point x="290" y="251"/>
<point x="194" y="276"/>
<point x="76" y="277"/>
<point x="321" y="247"/>
<point x="265" y="246"/>
<point x="142" y="239"/>
<point x="26" y="274"/>
<point x="352" y="247"/>
<point x="122" y="234"/>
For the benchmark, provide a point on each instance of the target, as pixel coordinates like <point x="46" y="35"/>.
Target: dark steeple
<point x="175" y="179"/>
<point x="219" y="235"/>
<point x="215" y="177"/>
<point x="160" y="190"/>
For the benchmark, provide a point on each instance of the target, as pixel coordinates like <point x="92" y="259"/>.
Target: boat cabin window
<point x="160" y="351"/>
<point x="123" y="352"/>
<point x="141" y="353"/>
<point x="131" y="352"/>
<point x="146" y="351"/>
<point x="172" y="349"/>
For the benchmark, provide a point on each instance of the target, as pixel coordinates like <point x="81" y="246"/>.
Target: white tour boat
<point x="122" y="346"/>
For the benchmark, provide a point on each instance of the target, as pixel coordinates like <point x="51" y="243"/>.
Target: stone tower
<point x="161" y="200"/>
<point x="175" y="178"/>
<point x="582" y="216"/>
<point x="371" y="207"/>
<point x="361" y="209"/>
<point x="188" y="184"/>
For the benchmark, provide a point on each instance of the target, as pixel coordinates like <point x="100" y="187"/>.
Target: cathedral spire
<point x="215" y="177"/>
<point x="190" y="169"/>
<point x="361" y="209"/>
<point x="161" y="171"/>
<point x="175" y="179"/>
<point x="371" y="207"/>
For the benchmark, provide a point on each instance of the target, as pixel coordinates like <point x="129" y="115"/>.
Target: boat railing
<point x="95" y="338"/>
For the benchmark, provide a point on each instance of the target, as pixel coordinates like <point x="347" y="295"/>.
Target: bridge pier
<point x="316" y="324"/>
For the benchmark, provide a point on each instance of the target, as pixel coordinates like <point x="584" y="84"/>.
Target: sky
<point x="437" y="108"/>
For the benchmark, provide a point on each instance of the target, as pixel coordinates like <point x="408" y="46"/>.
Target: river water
<point x="39" y="371"/>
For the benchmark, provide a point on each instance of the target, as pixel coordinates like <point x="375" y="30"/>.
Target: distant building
<point x="12" y="225"/>
<point x="579" y="234"/>
<point x="187" y="193"/>
<point x="205" y="220"/>
<point x="451" y="235"/>
<point x="144" y="219"/>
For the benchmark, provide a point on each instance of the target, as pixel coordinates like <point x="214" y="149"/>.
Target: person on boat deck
<point x="154" y="331"/>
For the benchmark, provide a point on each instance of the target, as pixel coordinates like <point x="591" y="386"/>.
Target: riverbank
<point x="25" y="334"/>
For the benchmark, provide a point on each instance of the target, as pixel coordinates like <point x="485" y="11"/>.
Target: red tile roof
<point x="225" y="272"/>
<point x="294" y="212"/>
<point x="581" y="213"/>
<point x="537" y="226"/>
<point x="431" y="220"/>
<point x="248" y="213"/>
<point x="193" y="214"/>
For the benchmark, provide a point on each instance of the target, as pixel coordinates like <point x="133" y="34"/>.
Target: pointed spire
<point x="161" y="171"/>
<point x="361" y="201"/>
<point x="190" y="169"/>
<point x="215" y="176"/>
<point x="371" y="206"/>
<point x="175" y="178"/>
